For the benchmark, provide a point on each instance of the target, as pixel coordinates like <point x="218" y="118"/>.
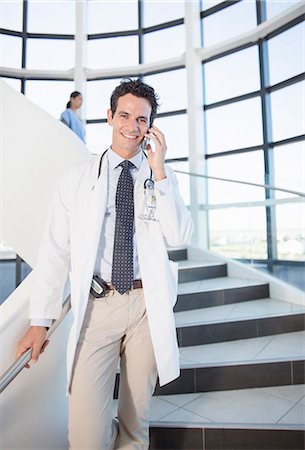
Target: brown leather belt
<point x="99" y="287"/>
<point x="137" y="284"/>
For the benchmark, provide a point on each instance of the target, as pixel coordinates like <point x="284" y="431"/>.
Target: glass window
<point x="290" y="223"/>
<point x="11" y="15"/>
<point x="175" y="129"/>
<point x="113" y="52"/>
<point x="98" y="136"/>
<point x="49" y="16"/>
<point x="161" y="12"/>
<point x="230" y="22"/>
<point x="98" y="97"/>
<point x="13" y="82"/>
<point x="50" y="54"/>
<point x="164" y="44"/>
<point x="234" y="126"/>
<point x="247" y="167"/>
<point x="11" y="50"/>
<point x="107" y="16"/>
<point x="238" y="232"/>
<point x="288" y="111"/>
<point x="171" y="88"/>
<point x="8" y="279"/>
<point x="52" y="96"/>
<point x="292" y="156"/>
<point x="286" y="54"/>
<point x="183" y="179"/>
<point x="206" y="4"/>
<point x="275" y="7"/>
<point x="232" y="75"/>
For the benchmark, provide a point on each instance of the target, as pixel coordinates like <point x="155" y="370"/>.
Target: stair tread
<point x="189" y="264"/>
<point x="252" y="309"/>
<point x="216" y="284"/>
<point x="280" y="406"/>
<point x="280" y="347"/>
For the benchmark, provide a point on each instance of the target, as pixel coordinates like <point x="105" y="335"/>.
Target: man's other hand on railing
<point x="35" y="339"/>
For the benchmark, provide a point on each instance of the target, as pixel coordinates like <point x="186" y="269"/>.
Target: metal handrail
<point x="9" y="375"/>
<point x="229" y="180"/>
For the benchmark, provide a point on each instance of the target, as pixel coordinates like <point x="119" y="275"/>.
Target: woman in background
<point x="70" y="118"/>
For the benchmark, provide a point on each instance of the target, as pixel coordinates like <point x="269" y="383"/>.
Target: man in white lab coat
<point x="134" y="324"/>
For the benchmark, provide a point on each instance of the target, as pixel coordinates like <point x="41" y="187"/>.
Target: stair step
<point x="177" y="254"/>
<point x="259" y="418"/>
<point x="220" y="291"/>
<point x="264" y="361"/>
<point x="250" y="319"/>
<point x="219" y="377"/>
<point x="280" y="405"/>
<point x="196" y="270"/>
<point x="209" y="437"/>
<point x="246" y="363"/>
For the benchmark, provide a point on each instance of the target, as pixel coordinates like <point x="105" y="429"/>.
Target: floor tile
<point x="296" y="415"/>
<point x="284" y="345"/>
<point x="263" y="307"/>
<point x="250" y="309"/>
<point x="179" y="399"/>
<point x="188" y="263"/>
<point x="182" y="415"/>
<point x="215" y="284"/>
<point x="302" y="400"/>
<point x="292" y="393"/>
<point x="195" y="316"/>
<point x="160" y="408"/>
<point x="240" y="406"/>
<point x="240" y="350"/>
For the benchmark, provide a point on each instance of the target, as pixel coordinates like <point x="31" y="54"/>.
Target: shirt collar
<point x="114" y="159"/>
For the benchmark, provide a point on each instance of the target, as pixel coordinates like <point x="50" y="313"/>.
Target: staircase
<point x="242" y="383"/>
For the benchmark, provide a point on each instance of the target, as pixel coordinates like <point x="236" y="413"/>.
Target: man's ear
<point x="109" y="116"/>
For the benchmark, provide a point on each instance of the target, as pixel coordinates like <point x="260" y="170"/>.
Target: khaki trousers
<point x="115" y="328"/>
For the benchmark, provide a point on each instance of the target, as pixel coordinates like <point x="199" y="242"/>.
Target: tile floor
<point x="266" y="406"/>
<point x="243" y="310"/>
<point x="282" y="346"/>
<point x="216" y="284"/>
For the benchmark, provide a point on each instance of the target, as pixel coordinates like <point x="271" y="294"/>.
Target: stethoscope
<point x="148" y="183"/>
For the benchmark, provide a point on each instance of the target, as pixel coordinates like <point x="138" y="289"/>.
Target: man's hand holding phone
<point x="156" y="157"/>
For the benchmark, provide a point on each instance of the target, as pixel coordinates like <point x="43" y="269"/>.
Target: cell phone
<point x="98" y="287"/>
<point x="144" y="144"/>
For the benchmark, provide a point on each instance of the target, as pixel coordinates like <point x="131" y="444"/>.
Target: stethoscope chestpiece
<point x="149" y="184"/>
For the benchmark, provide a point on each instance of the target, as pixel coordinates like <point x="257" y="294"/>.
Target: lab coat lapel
<point x="96" y="212"/>
<point x="143" y="174"/>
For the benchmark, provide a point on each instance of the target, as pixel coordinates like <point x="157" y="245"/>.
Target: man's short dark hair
<point x="139" y="89"/>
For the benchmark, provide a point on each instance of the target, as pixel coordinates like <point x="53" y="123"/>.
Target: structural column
<point x="81" y="51"/>
<point x="195" y="116"/>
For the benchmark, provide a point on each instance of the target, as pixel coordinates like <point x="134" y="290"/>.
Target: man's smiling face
<point x="130" y="123"/>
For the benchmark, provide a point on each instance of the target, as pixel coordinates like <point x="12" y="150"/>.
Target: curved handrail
<point x="229" y="180"/>
<point x="9" y="375"/>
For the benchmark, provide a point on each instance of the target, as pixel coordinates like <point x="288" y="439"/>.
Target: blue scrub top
<point x="72" y="120"/>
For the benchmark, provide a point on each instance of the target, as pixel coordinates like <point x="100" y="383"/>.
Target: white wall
<point x="35" y="149"/>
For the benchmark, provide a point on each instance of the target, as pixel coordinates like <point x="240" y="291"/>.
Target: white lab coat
<point x="70" y="243"/>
